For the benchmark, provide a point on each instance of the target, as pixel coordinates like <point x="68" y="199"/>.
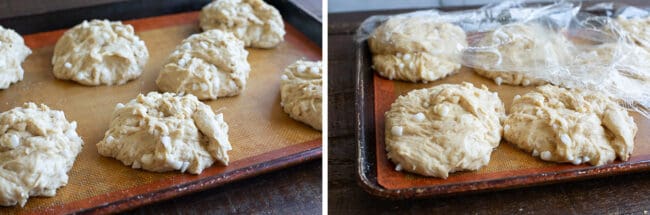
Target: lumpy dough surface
<point x="302" y="93"/>
<point x="166" y="132"/>
<point x="509" y="54"/>
<point x="99" y="52"/>
<point x="207" y="65"/>
<point x="416" y="49"/>
<point x="256" y="23"/>
<point x="12" y="54"/>
<point x="444" y="129"/>
<point x="561" y="125"/>
<point x="37" y="149"/>
<point x="637" y="30"/>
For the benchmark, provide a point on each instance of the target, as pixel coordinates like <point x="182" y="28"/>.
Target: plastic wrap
<point x="605" y="47"/>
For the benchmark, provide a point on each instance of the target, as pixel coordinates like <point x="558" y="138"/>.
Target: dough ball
<point x="302" y="93"/>
<point x="597" y="61"/>
<point x="443" y="129"/>
<point x="37" y="149"/>
<point x="99" y="52"/>
<point x="512" y="53"/>
<point x="512" y="78"/>
<point x="256" y="23"/>
<point x="417" y="49"/>
<point x="574" y="126"/>
<point x="208" y="65"/>
<point x="166" y="132"/>
<point x="634" y="54"/>
<point x="636" y="30"/>
<point x="12" y="53"/>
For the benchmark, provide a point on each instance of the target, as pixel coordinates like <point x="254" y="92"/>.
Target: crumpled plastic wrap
<point x="604" y="47"/>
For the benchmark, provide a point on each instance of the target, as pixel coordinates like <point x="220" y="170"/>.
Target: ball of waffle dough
<point x="512" y="53"/>
<point x="637" y="30"/>
<point x="37" y="149"/>
<point x="416" y="49"/>
<point x="208" y="65"/>
<point x="166" y="132"/>
<point x="256" y="23"/>
<point x="99" y="52"/>
<point x="570" y="126"/>
<point x="302" y="93"/>
<point x="12" y="53"/>
<point x="443" y="129"/>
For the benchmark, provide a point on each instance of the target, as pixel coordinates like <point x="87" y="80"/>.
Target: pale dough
<point x="629" y="60"/>
<point x="302" y="93"/>
<point x="636" y="53"/>
<point x="416" y="49"/>
<point x="574" y="126"/>
<point x="637" y="30"/>
<point x="509" y="54"/>
<point x="444" y="129"/>
<point x="258" y="24"/>
<point x="12" y="53"/>
<point x="165" y="132"/>
<point x="99" y="52"/>
<point x="512" y="78"/>
<point x="208" y="65"/>
<point x="37" y="149"/>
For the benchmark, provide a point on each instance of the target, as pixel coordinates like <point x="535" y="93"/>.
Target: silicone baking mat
<point x="263" y="136"/>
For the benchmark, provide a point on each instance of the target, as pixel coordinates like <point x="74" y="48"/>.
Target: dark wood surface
<point x="622" y="194"/>
<point x="296" y="190"/>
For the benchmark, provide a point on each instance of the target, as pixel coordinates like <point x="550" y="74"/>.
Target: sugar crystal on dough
<point x="397" y="130"/>
<point x="419" y="116"/>
<point x="545" y="155"/>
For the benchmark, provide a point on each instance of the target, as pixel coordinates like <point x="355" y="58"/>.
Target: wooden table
<point x="628" y="194"/>
<point x="294" y="190"/>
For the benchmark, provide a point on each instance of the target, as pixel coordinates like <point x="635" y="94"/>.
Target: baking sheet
<point x="262" y="135"/>
<point x="507" y="163"/>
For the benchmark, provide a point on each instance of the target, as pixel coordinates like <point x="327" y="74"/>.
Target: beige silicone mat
<point x="257" y="123"/>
